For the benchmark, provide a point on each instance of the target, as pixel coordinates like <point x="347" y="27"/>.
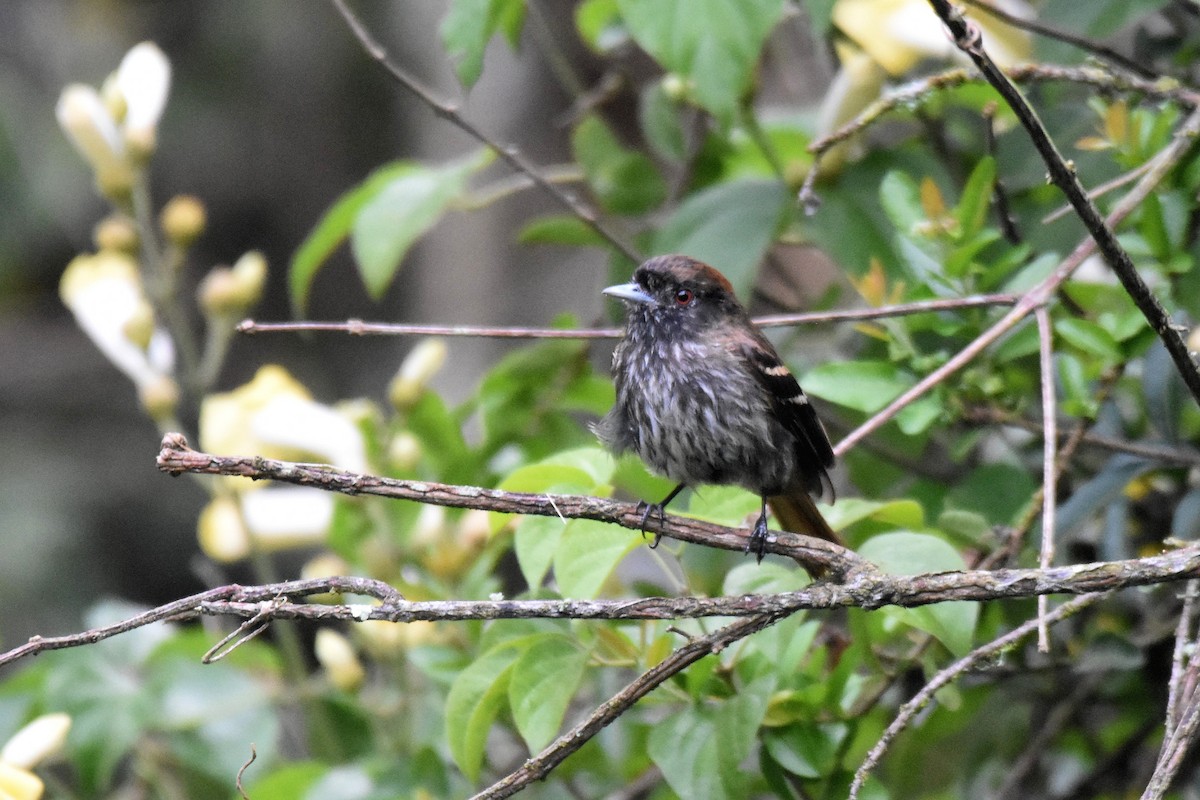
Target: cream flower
<point x="34" y="743"/>
<point x="273" y="416"/>
<point x="104" y="292"/>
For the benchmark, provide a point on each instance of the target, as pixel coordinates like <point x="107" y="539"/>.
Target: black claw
<point x="648" y="510"/>
<point x="757" y="542"/>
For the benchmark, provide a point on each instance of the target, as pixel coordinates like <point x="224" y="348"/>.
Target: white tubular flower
<point x="104" y="292"/>
<point x="91" y="128"/>
<point x="274" y="416"/>
<point x="144" y="81"/>
<point x="34" y="743"/>
<point x="37" y="741"/>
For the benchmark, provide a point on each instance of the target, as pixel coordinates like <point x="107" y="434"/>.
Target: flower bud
<point x="418" y="367"/>
<point x="182" y="219"/>
<point x="160" y="398"/>
<point x="144" y="81"/>
<point x="222" y="534"/>
<point x="230" y="292"/>
<point x="91" y="128"/>
<point x="337" y="657"/>
<point x="116" y="233"/>
<point x="139" y="327"/>
<point x="404" y="452"/>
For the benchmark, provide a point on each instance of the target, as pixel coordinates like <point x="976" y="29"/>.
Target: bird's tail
<point x="796" y="512"/>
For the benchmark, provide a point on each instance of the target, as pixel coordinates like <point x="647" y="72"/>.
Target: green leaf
<point x="475" y="699"/>
<point x="659" y="115"/>
<point x="288" y="782"/>
<point x="407" y="206"/>
<point x="333" y="229"/>
<point x="535" y="542"/>
<point x="715" y="44"/>
<point x="808" y="750"/>
<point x="562" y="229"/>
<point x="625" y="181"/>
<point x="470" y="25"/>
<point x="907" y="553"/>
<point x="901" y="513"/>
<point x="700" y="748"/>
<point x="543" y="681"/>
<point x="1089" y="337"/>
<point x="730" y="226"/>
<point x="865" y="386"/>
<point x="588" y="554"/>
<point x="598" y="23"/>
<point x="976" y="198"/>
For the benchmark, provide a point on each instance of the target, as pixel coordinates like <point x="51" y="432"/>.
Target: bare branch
<point x="508" y="153"/>
<point x="356" y="327"/>
<point x="1049" y="462"/>
<point x="968" y="39"/>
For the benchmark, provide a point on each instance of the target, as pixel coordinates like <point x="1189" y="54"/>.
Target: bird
<point x="702" y="397"/>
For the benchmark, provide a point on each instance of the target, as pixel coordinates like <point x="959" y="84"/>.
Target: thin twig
<point x="1180" y="656"/>
<point x="1163" y="162"/>
<point x="540" y="765"/>
<point x="507" y="153"/>
<point x="1049" y="462"/>
<point x="1166" y="454"/>
<point x="968" y="39"/>
<point x="1087" y="45"/>
<point x="356" y="327"/>
<point x="944" y="676"/>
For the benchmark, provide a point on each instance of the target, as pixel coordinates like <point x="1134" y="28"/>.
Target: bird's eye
<point x="684" y="297"/>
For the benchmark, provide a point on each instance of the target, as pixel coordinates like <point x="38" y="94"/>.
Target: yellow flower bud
<point x="91" y="128"/>
<point x="223" y="535"/>
<point x="337" y="657"/>
<point x="230" y="292"/>
<point x="116" y="233"/>
<point x="182" y="219"/>
<point x="419" y="366"/>
<point x="160" y="398"/>
<point x="139" y="327"/>
<point x="404" y="452"/>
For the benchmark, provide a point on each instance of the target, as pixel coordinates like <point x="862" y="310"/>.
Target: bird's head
<point x="676" y="291"/>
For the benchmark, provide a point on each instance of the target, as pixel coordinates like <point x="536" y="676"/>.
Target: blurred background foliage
<point x="335" y="194"/>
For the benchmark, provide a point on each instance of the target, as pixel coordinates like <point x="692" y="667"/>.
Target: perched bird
<point x="702" y="397"/>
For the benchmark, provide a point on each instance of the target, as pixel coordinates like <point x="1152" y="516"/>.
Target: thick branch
<point x="176" y="457"/>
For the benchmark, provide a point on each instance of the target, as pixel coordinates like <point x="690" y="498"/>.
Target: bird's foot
<point x="648" y="510"/>
<point x="757" y="542"/>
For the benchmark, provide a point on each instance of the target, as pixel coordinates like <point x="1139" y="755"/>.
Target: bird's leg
<point x="758" y="537"/>
<point x="649" y="509"/>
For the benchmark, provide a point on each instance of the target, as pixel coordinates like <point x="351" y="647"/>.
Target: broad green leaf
<point x="625" y="181"/>
<point x="470" y="25"/>
<point x="407" y="206"/>
<point x="543" y="681"/>
<point x="901" y="199"/>
<point x="288" y="782"/>
<point x="700" y="748"/>
<point x="333" y="229"/>
<point x="475" y="699"/>
<point x="907" y="553"/>
<point x="588" y="554"/>
<point x="535" y="542"/>
<point x="560" y="229"/>
<point x="919" y="415"/>
<point x="1089" y="338"/>
<point x="659" y="116"/>
<point x="865" y="386"/>
<point x="901" y="513"/>
<point x="808" y="750"/>
<point x="997" y="491"/>
<point x="715" y="44"/>
<point x="730" y="226"/>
